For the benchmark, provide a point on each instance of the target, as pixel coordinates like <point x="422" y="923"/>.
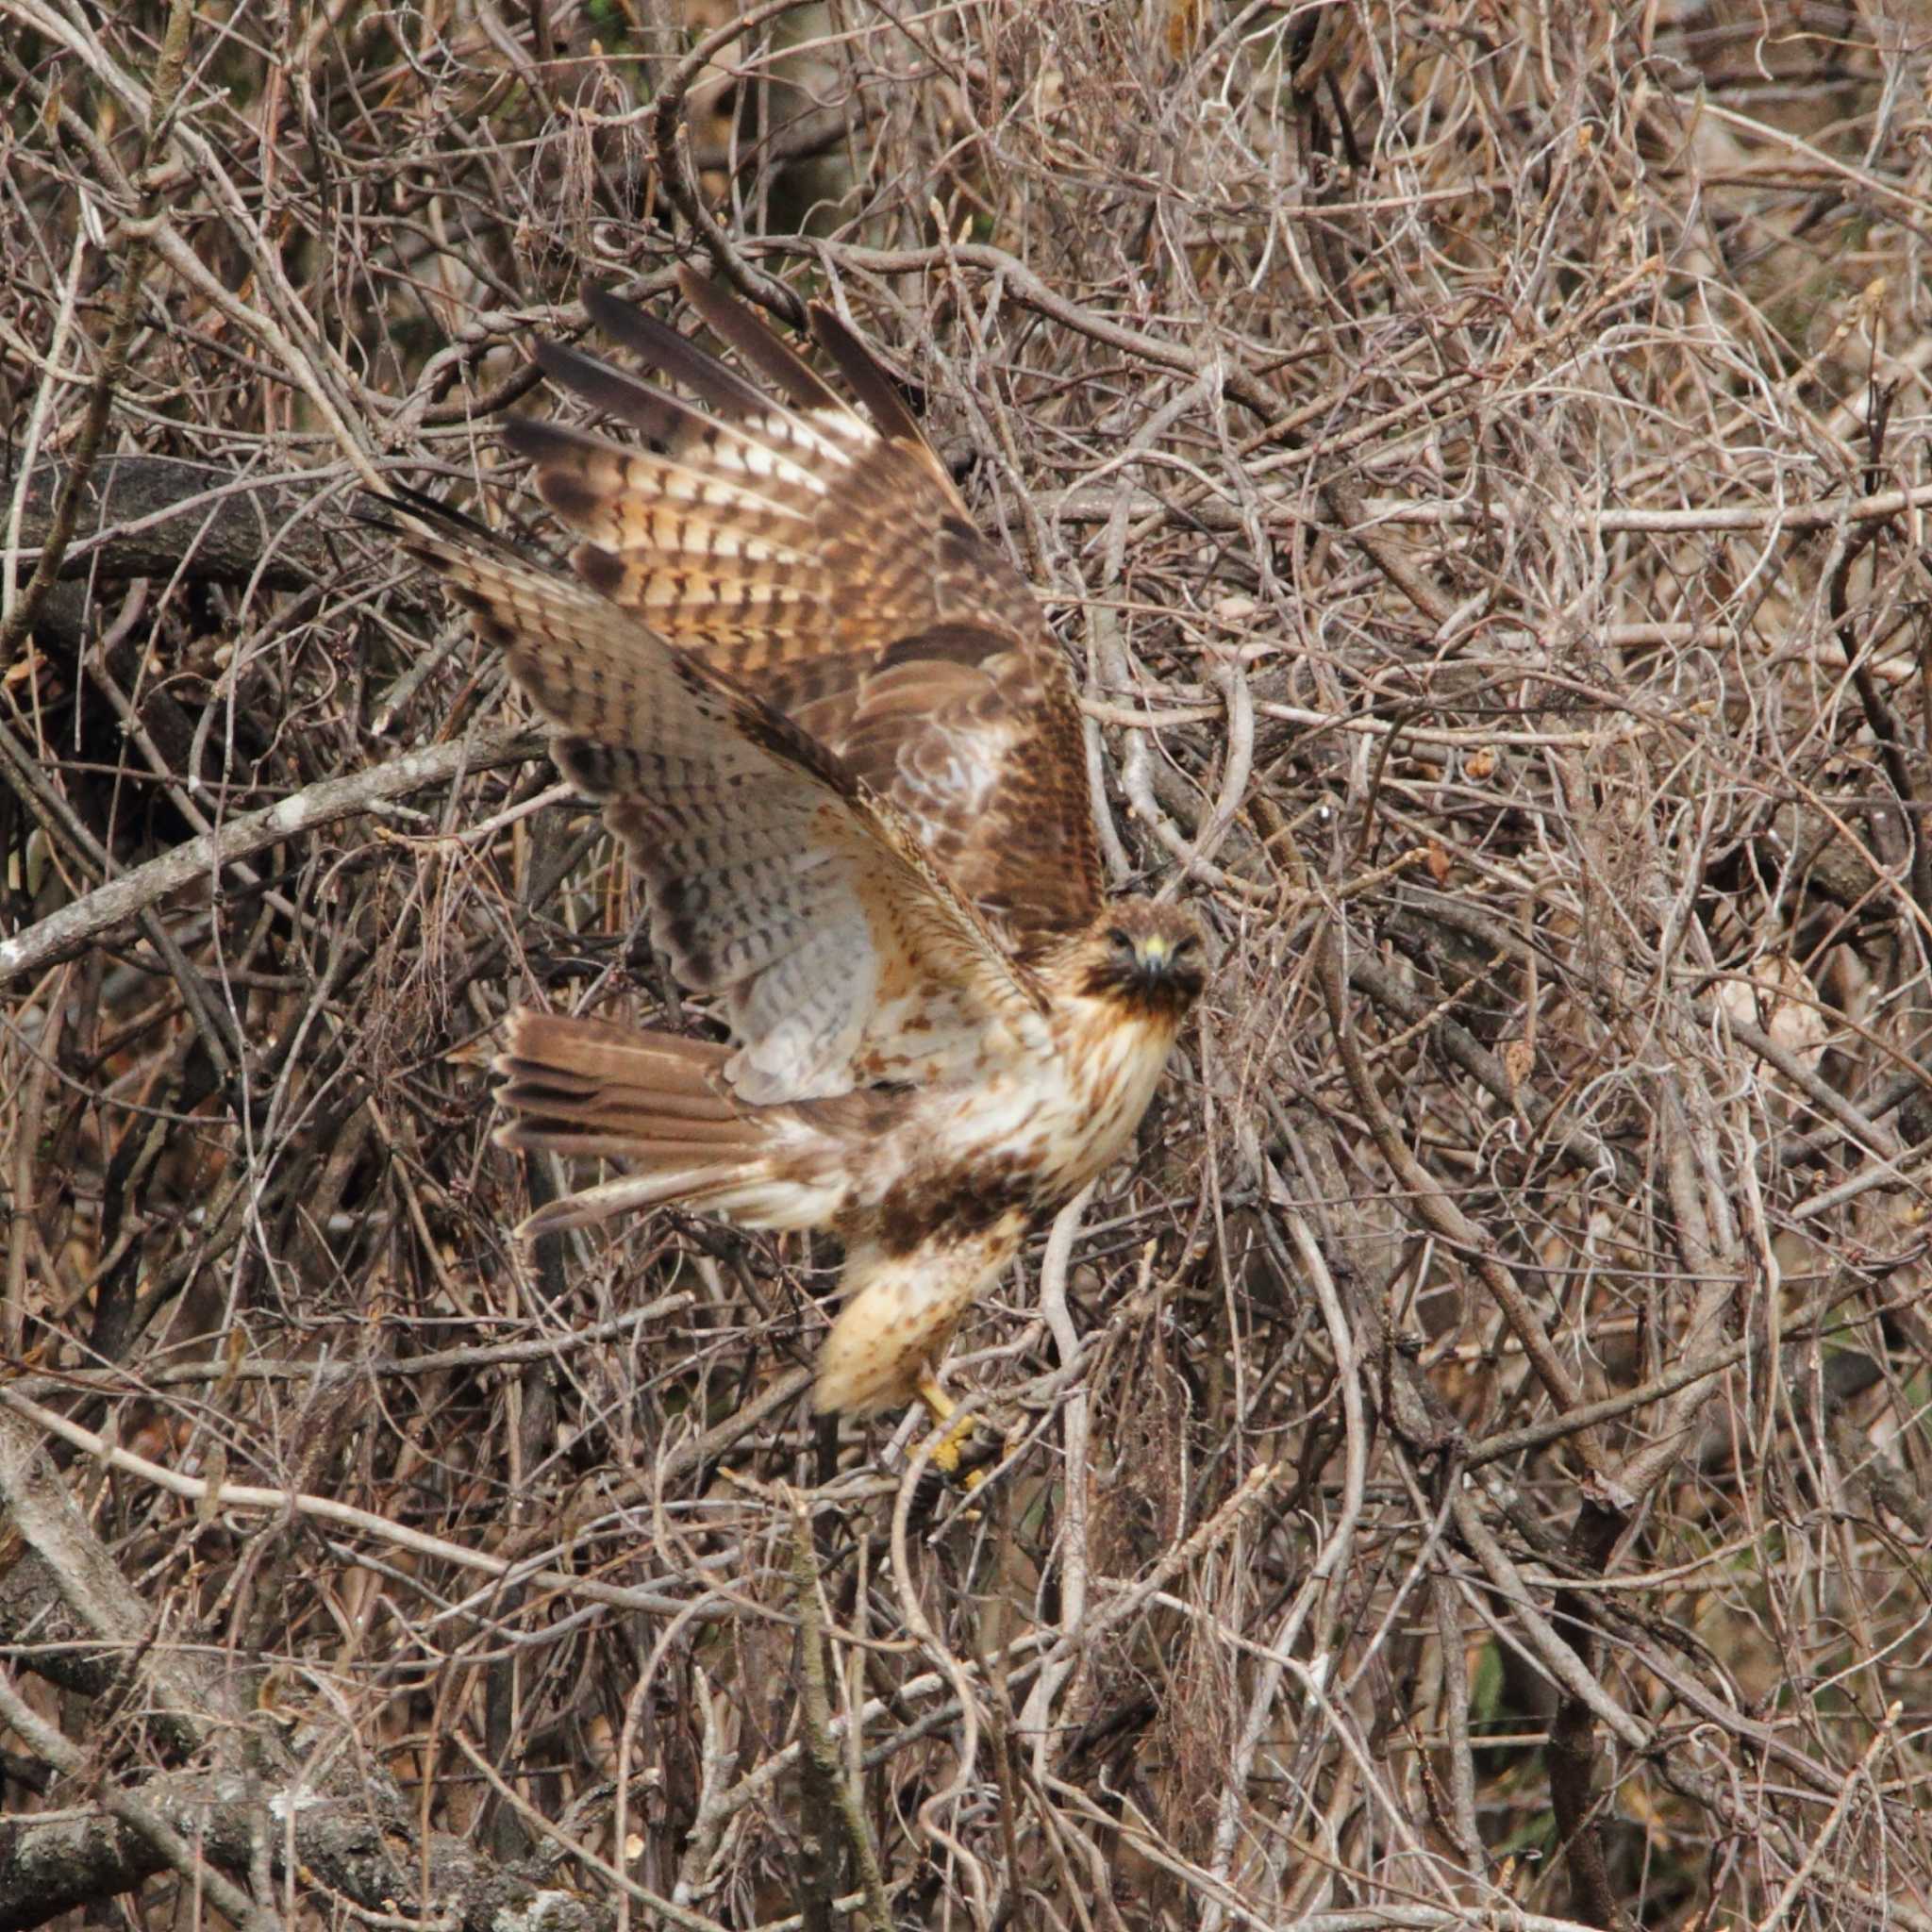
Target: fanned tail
<point x="652" y="1101"/>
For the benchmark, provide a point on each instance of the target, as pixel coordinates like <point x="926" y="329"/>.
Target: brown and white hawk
<point x="829" y="722"/>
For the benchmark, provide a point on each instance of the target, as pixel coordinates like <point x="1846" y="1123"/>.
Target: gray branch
<point x="142" y="516"/>
<point x="74" y="928"/>
<point x="362" y="1846"/>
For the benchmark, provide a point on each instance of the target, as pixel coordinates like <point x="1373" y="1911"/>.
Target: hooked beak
<point x="1152" y="960"/>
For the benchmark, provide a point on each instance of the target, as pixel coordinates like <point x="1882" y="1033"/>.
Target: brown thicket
<point x="1472" y="1467"/>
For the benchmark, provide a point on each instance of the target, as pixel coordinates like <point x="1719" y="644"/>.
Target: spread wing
<point x="778" y="878"/>
<point x="825" y="561"/>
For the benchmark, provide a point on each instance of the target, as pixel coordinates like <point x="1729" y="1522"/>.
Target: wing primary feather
<point x="400" y="498"/>
<point x="678" y="357"/>
<point x="731" y="322"/>
<point x="560" y="450"/>
<point x="614" y="391"/>
<point x="866" y="376"/>
<point x="661" y="416"/>
<point x="537" y="439"/>
<point x="527" y="606"/>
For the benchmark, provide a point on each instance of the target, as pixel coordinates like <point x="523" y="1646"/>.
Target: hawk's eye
<point x="1121" y="939"/>
<point x="1186" y="943"/>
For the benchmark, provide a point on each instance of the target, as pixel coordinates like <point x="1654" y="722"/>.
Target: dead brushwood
<point x="1471" y="1466"/>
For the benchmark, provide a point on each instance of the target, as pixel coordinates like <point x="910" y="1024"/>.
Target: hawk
<point x="829" y="722"/>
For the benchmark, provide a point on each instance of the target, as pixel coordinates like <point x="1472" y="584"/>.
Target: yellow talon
<point x="948" y="1451"/>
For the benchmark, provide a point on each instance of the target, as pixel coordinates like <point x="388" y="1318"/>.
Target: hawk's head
<point x="1150" y="958"/>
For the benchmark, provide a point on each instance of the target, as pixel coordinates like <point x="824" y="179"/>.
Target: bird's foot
<point x="956" y="1455"/>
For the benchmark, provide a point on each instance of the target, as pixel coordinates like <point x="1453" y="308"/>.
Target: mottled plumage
<point x="827" y="720"/>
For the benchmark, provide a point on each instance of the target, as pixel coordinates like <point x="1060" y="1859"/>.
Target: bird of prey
<point x="829" y="722"/>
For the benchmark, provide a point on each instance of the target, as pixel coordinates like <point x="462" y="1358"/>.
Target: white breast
<point x="1066" y="1114"/>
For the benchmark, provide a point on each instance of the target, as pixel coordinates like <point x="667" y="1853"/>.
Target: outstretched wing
<point x="825" y="561"/>
<point x="777" y="877"/>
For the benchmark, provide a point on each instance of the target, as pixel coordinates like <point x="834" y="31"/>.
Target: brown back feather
<point x="825" y="561"/>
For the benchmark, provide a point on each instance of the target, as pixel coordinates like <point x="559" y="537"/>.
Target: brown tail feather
<point x="651" y="1100"/>
<point x="586" y="1077"/>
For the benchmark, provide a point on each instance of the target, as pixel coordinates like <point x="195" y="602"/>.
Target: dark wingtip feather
<point x="756" y="344"/>
<point x="673" y="355"/>
<point x="865" y="375"/>
<point x="396" y="508"/>
<point x="374" y="509"/>
<point x="431" y="530"/>
<point x="612" y="390"/>
<point x="550" y="445"/>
